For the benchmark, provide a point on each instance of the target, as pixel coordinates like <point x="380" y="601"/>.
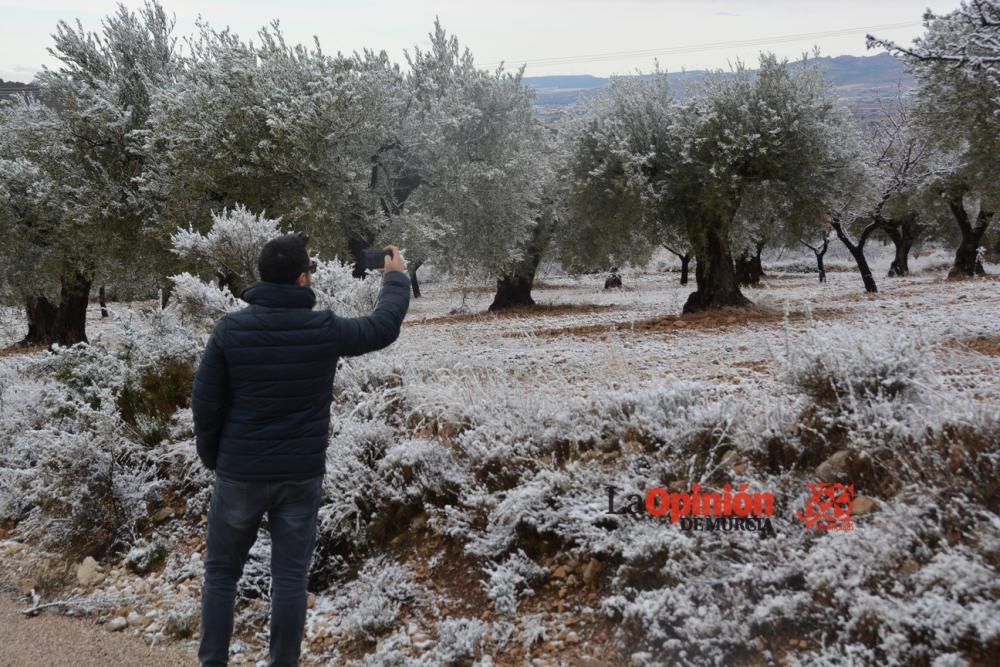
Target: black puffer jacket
<point x="262" y="394"/>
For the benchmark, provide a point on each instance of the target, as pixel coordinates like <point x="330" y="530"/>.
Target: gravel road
<point x="58" y="641"/>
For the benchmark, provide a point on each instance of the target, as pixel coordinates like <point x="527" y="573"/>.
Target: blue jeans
<point x="233" y="520"/>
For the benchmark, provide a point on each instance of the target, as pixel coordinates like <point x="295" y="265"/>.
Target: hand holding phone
<point x="385" y="260"/>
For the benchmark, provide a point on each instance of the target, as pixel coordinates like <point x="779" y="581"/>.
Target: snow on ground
<point x="464" y="518"/>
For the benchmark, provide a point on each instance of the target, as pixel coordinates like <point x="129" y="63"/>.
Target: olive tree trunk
<point x="514" y="289"/>
<point x="65" y="323"/>
<point x="967" y="261"/>
<point x="413" y="278"/>
<point x="857" y="250"/>
<point x="715" y="276"/>
<point x="819" y="252"/>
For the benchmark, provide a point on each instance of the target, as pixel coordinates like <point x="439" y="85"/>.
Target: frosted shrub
<point x="145" y="555"/>
<point x="458" y="639"/>
<point x="256" y="579"/>
<point x="369" y="606"/>
<point x="511" y="580"/>
<point x="352" y="460"/>
<point x="201" y="303"/>
<point x="418" y="471"/>
<point x="842" y="366"/>
<point x="232" y="245"/>
<point x="337" y="289"/>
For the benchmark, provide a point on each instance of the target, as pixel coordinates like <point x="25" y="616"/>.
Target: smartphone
<point x="374" y="258"/>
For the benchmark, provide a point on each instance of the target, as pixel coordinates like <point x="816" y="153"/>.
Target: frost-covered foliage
<point x="77" y="464"/>
<point x="71" y="164"/>
<point x="232" y="244"/>
<point x="833" y="367"/>
<point x="471" y="137"/>
<point x="336" y="288"/>
<point x="369" y="605"/>
<point x="295" y="137"/>
<point x="201" y="302"/>
<point x="510" y="580"/>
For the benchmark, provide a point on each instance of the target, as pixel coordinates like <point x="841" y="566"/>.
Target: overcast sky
<point x="552" y="36"/>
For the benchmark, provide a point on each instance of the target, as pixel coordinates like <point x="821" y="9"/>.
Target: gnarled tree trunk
<point x="685" y="258"/>
<point x="514" y="289"/>
<point x="857" y="250"/>
<point x="715" y="276"/>
<point x="756" y="266"/>
<point x="819" y="252"/>
<point x="903" y="233"/>
<point x="102" y="299"/>
<point x="41" y="314"/>
<point x="967" y="262"/>
<point x="65" y="323"/>
<point x="413" y="279"/>
<point x="685" y="265"/>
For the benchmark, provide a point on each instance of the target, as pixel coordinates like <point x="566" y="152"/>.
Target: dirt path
<point x="60" y="641"/>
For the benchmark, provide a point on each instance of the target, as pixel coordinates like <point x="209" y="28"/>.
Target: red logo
<point x="829" y="507"/>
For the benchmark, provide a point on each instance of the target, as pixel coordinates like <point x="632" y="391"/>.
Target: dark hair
<point x="283" y="259"/>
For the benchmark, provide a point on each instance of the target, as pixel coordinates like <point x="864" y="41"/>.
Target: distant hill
<point x="8" y="88"/>
<point x="858" y="79"/>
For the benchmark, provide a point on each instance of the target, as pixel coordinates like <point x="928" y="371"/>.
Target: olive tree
<point x="772" y="139"/>
<point x="471" y="157"/>
<point x="81" y="145"/>
<point x="284" y="130"/>
<point x="957" y="66"/>
<point x="611" y="196"/>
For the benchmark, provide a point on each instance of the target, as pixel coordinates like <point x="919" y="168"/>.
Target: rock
<point x="559" y="572"/>
<point x="862" y="505"/>
<point x="592" y="571"/>
<point x="87" y="572"/>
<point x="163" y="514"/>
<point x="587" y="661"/>
<point x="908" y="567"/>
<point x="311" y="600"/>
<point x="571" y="580"/>
<point x="834" y="468"/>
<point x="140" y="586"/>
<point x="572" y="638"/>
<point x="117" y="624"/>
<point x="12" y="547"/>
<point x="3" y="533"/>
<point x="138" y="620"/>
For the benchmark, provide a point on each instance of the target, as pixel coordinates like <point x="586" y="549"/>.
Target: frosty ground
<point x="465" y="519"/>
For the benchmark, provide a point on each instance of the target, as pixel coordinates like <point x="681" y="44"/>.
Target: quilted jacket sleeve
<point x="358" y="335"/>
<point x="208" y="399"/>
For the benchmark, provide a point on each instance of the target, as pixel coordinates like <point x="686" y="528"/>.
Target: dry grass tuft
<point x="987" y="345"/>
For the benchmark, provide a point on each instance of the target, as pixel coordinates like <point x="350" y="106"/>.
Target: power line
<point x="694" y="48"/>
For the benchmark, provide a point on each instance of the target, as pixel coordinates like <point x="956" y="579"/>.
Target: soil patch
<point x="988" y="345"/>
<point x="17" y="349"/>
<point x="520" y="312"/>
<point x="722" y="318"/>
